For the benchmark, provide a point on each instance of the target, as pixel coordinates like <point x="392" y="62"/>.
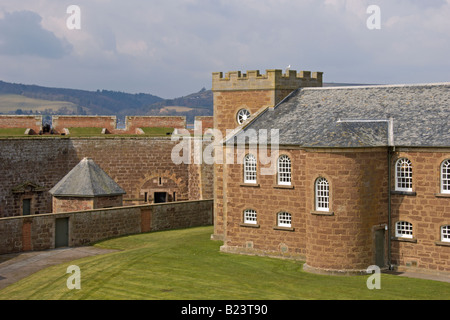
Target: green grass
<point x="86" y="131"/>
<point x="162" y="131"/>
<point x="12" y="132"/>
<point x="186" y="264"/>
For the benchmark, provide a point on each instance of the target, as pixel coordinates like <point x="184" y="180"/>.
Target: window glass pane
<point x="250" y="216"/>
<point x="445" y="233"/>
<point x="445" y="176"/>
<point x="403" y="229"/>
<point x="403" y="171"/>
<point x="284" y="219"/>
<point x="322" y="195"/>
<point x="250" y="169"/>
<point x="284" y="170"/>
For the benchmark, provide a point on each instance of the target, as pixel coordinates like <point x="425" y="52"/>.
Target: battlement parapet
<point x="273" y="79"/>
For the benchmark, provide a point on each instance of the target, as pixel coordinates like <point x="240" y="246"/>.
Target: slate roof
<point x="86" y="179"/>
<point x="330" y="116"/>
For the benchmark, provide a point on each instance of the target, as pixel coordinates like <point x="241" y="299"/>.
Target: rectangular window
<point x="284" y="219"/>
<point x="250" y="216"/>
<point x="445" y="233"/>
<point x="403" y="229"/>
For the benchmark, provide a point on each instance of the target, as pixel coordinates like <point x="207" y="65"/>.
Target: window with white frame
<point x="284" y="170"/>
<point x="445" y="233"/>
<point x="250" y="169"/>
<point x="322" y="191"/>
<point x="403" y="175"/>
<point x="445" y="176"/>
<point x="403" y="229"/>
<point x="242" y="116"/>
<point x="284" y="219"/>
<point x="250" y="216"/>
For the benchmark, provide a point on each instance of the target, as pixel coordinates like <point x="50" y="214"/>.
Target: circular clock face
<point x="242" y="116"/>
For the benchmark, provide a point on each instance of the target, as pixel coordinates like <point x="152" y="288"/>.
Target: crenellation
<point x="273" y="79"/>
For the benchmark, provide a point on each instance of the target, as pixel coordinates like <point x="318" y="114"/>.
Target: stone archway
<point x="161" y="187"/>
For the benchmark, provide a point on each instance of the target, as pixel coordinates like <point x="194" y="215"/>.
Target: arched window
<point x="242" y="116"/>
<point x="445" y="233"/>
<point x="284" y="170"/>
<point x="403" y="175"/>
<point x="284" y="219"/>
<point x="322" y="193"/>
<point x="250" y="169"/>
<point x="403" y="229"/>
<point x="445" y="176"/>
<point x="250" y="216"/>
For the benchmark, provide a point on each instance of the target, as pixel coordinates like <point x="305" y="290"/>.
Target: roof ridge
<point x="433" y="84"/>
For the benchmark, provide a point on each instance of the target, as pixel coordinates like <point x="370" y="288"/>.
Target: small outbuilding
<point x="86" y="187"/>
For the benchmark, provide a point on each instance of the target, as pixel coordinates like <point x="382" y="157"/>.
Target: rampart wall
<point x="21" y="121"/>
<point x="30" y="167"/>
<point x="38" y="232"/>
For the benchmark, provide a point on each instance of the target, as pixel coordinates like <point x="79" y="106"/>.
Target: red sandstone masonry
<point x="37" y="232"/>
<point x="134" y="122"/>
<point x="133" y="162"/>
<point x="21" y="121"/>
<point x="61" y="122"/>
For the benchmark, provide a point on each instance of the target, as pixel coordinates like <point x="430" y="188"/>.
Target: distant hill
<point x="33" y="99"/>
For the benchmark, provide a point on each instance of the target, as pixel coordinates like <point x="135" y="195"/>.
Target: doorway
<point x="61" y="232"/>
<point x="26" y="207"/>
<point x="160" y="197"/>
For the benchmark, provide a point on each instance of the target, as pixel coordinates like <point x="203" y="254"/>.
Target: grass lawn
<point x="158" y="131"/>
<point x="187" y="265"/>
<point x="12" y="132"/>
<point x="85" y="131"/>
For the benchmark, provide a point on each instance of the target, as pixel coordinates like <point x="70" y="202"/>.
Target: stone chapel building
<point x="362" y="173"/>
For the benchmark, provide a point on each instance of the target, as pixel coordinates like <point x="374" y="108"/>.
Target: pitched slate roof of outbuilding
<point x="86" y="179"/>
<point x="319" y="117"/>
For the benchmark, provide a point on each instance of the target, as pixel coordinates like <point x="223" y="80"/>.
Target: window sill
<point x="404" y="193"/>
<point x="322" y="213"/>
<point x="442" y="243"/>
<point x="412" y="240"/>
<point x="283" y="228"/>
<point x="283" y="186"/>
<point x="442" y="195"/>
<point x="254" y="185"/>
<point x="249" y="225"/>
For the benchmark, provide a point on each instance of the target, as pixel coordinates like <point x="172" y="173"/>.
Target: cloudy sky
<point x="170" y="47"/>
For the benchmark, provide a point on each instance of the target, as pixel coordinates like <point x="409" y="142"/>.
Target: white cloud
<point x="170" y="47"/>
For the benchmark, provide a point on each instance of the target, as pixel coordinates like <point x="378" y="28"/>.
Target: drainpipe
<point x="391" y="149"/>
<point x="389" y="207"/>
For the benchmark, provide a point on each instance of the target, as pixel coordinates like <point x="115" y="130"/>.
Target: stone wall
<point x="31" y="167"/>
<point x="21" y="121"/>
<point x="342" y="240"/>
<point x="37" y="232"/>
<point x="426" y="209"/>
<point x="61" y="122"/>
<point x="134" y="122"/>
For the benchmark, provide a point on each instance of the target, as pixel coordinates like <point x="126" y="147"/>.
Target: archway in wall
<point x="160" y="189"/>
